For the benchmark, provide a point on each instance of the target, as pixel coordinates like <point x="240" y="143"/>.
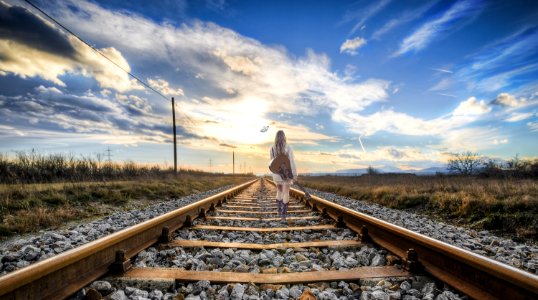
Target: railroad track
<point x="236" y="237"/>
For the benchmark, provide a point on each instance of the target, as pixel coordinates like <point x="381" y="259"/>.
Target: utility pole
<point x="174" y="129"/>
<point x="109" y="160"/>
<point x="210" y="165"/>
<point x="233" y="163"/>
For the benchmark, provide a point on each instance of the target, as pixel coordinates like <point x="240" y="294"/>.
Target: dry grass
<point x="31" y="207"/>
<point x="508" y="206"/>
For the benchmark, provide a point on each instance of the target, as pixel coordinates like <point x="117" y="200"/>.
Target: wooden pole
<point x="174" y="129"/>
<point x="233" y="162"/>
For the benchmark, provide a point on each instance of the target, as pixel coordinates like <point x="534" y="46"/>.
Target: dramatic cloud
<point x="48" y="109"/>
<point x="228" y="86"/>
<point x="239" y="74"/>
<point x="460" y="12"/>
<point x="24" y="35"/>
<point x="350" y="46"/>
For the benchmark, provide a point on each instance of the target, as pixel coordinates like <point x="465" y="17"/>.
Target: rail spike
<point x="202" y="213"/>
<point x="188" y="221"/>
<point x="364" y="237"/>
<point x="122" y="264"/>
<point x="166" y="235"/>
<point x="411" y="263"/>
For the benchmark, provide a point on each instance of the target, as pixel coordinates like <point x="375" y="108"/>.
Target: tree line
<point x="472" y="163"/>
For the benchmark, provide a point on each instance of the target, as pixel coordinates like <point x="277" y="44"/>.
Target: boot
<point x="279" y="204"/>
<point x="284" y="210"/>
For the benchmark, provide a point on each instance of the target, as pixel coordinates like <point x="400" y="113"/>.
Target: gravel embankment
<point x="17" y="253"/>
<point x="519" y="255"/>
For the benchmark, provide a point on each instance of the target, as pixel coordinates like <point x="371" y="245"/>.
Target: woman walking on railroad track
<point x="283" y="184"/>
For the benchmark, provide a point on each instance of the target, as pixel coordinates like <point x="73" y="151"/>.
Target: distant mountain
<point x="390" y="169"/>
<point x="352" y="171"/>
<point x="432" y="170"/>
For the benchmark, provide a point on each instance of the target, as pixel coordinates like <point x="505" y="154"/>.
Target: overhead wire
<point x="104" y="56"/>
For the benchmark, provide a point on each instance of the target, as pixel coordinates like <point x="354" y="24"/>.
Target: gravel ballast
<point x="17" y="253"/>
<point x="413" y="288"/>
<point x="519" y="255"/>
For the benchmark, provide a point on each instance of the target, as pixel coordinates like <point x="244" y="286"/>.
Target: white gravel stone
<point x="102" y="286"/>
<point x="118" y="295"/>
<point x="237" y="292"/>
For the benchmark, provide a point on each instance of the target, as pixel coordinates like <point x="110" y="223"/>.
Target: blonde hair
<point x="280" y="142"/>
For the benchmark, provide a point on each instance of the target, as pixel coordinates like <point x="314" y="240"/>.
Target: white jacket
<point x="289" y="151"/>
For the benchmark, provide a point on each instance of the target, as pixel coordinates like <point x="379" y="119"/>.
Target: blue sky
<point x="413" y="81"/>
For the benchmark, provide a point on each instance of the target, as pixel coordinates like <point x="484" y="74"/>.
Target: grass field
<point x="31" y="207"/>
<point x="506" y="206"/>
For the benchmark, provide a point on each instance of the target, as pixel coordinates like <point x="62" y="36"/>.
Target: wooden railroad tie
<point x="282" y="278"/>
<point x="254" y="212"/>
<point x="261" y="219"/>
<point x="270" y="229"/>
<point x="259" y="206"/>
<point x="316" y="244"/>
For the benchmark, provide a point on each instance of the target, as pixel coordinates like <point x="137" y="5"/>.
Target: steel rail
<point x="477" y="276"/>
<point x="64" y="274"/>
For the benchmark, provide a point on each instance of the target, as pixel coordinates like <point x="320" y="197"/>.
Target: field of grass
<point x="505" y="206"/>
<point x="30" y="207"/>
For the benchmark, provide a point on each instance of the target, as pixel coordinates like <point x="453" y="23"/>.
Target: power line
<point x="106" y="57"/>
<point x="95" y="49"/>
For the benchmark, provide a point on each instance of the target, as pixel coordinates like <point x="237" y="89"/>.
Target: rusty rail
<point x="474" y="275"/>
<point x="63" y="275"/>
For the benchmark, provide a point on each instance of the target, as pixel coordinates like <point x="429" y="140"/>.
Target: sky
<point x="398" y="85"/>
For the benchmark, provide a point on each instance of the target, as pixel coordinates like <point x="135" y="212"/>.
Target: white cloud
<point x="505" y="99"/>
<point x="500" y="142"/>
<point x="351" y="46"/>
<point x="424" y="35"/>
<point x="472" y="107"/>
<point x="533" y="126"/>
<point x="442" y="70"/>
<point x="405" y="17"/>
<point x="6" y="131"/>
<point x="468" y="139"/>
<point x="363" y="14"/>
<point x="163" y="86"/>
<point x="516" y="117"/>
<point x="442" y="85"/>
<point x="42" y="89"/>
<point x="238" y="63"/>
